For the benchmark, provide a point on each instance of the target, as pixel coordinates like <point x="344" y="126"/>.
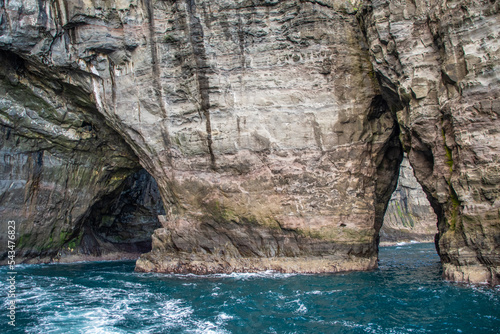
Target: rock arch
<point x="428" y="62"/>
<point x="274" y="128"/>
<point x="67" y="178"/>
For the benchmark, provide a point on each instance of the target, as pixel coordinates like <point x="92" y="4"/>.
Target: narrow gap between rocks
<point x="409" y="216"/>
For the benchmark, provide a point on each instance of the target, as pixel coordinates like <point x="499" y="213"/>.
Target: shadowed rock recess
<point x="272" y="128"/>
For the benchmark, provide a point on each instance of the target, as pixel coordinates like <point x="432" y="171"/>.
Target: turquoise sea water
<point x="406" y="295"/>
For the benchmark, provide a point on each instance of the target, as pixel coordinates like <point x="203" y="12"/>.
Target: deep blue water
<point x="406" y="295"/>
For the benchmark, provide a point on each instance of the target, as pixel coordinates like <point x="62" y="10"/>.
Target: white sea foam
<point x="97" y="320"/>
<point x="130" y="285"/>
<point x="406" y="243"/>
<point x="72" y="305"/>
<point x="240" y="276"/>
<point x="348" y="324"/>
<point x="376" y="329"/>
<point x="175" y="313"/>
<point x="223" y="317"/>
<point x="277" y="295"/>
<point x="302" y="309"/>
<point x="207" y="327"/>
<point x="244" y="276"/>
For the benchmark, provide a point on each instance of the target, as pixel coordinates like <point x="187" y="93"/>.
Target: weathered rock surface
<point x="270" y="126"/>
<point x="59" y="160"/>
<point x="274" y="161"/>
<point x="409" y="216"/>
<point x="439" y="61"/>
<point x="261" y="122"/>
<point x="123" y="221"/>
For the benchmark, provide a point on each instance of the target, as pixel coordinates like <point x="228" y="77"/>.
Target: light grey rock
<point x="260" y="121"/>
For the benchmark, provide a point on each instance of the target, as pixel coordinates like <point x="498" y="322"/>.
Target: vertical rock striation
<point x="437" y="62"/>
<point x="274" y="162"/>
<point x="262" y="122"/>
<point x="270" y="127"/>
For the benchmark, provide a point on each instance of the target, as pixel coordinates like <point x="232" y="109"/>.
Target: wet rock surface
<point x="59" y="161"/>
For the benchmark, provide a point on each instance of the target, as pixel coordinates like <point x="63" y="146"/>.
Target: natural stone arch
<point x="447" y="111"/>
<point x="64" y="171"/>
<point x="218" y="98"/>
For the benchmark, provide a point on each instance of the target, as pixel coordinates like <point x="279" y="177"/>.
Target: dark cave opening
<point x="123" y="221"/>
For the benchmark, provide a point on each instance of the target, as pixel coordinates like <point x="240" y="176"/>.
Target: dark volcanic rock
<point x="59" y="160"/>
<point x="124" y="220"/>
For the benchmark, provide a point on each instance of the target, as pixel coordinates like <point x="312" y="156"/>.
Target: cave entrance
<point x="123" y="221"/>
<point x="409" y="216"/>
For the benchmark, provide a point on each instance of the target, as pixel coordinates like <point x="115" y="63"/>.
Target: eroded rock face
<point x="58" y="157"/>
<point x="124" y="220"/>
<point x="438" y="60"/>
<point x="270" y="126"/>
<point x="261" y="122"/>
<point x="276" y="161"/>
<point x="409" y="216"/>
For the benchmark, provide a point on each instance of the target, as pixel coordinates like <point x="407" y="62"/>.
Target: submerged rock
<point x="272" y="128"/>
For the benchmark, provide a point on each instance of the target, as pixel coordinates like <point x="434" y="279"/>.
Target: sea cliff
<point x="272" y="131"/>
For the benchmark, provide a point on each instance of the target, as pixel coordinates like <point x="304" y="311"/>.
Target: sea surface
<point x="406" y="295"/>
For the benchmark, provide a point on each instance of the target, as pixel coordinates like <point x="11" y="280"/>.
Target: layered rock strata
<point x="271" y="127"/>
<point x="437" y="62"/>
<point x="262" y="122"/>
<point x="275" y="161"/>
<point x="409" y="216"/>
<point x="59" y="160"/>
